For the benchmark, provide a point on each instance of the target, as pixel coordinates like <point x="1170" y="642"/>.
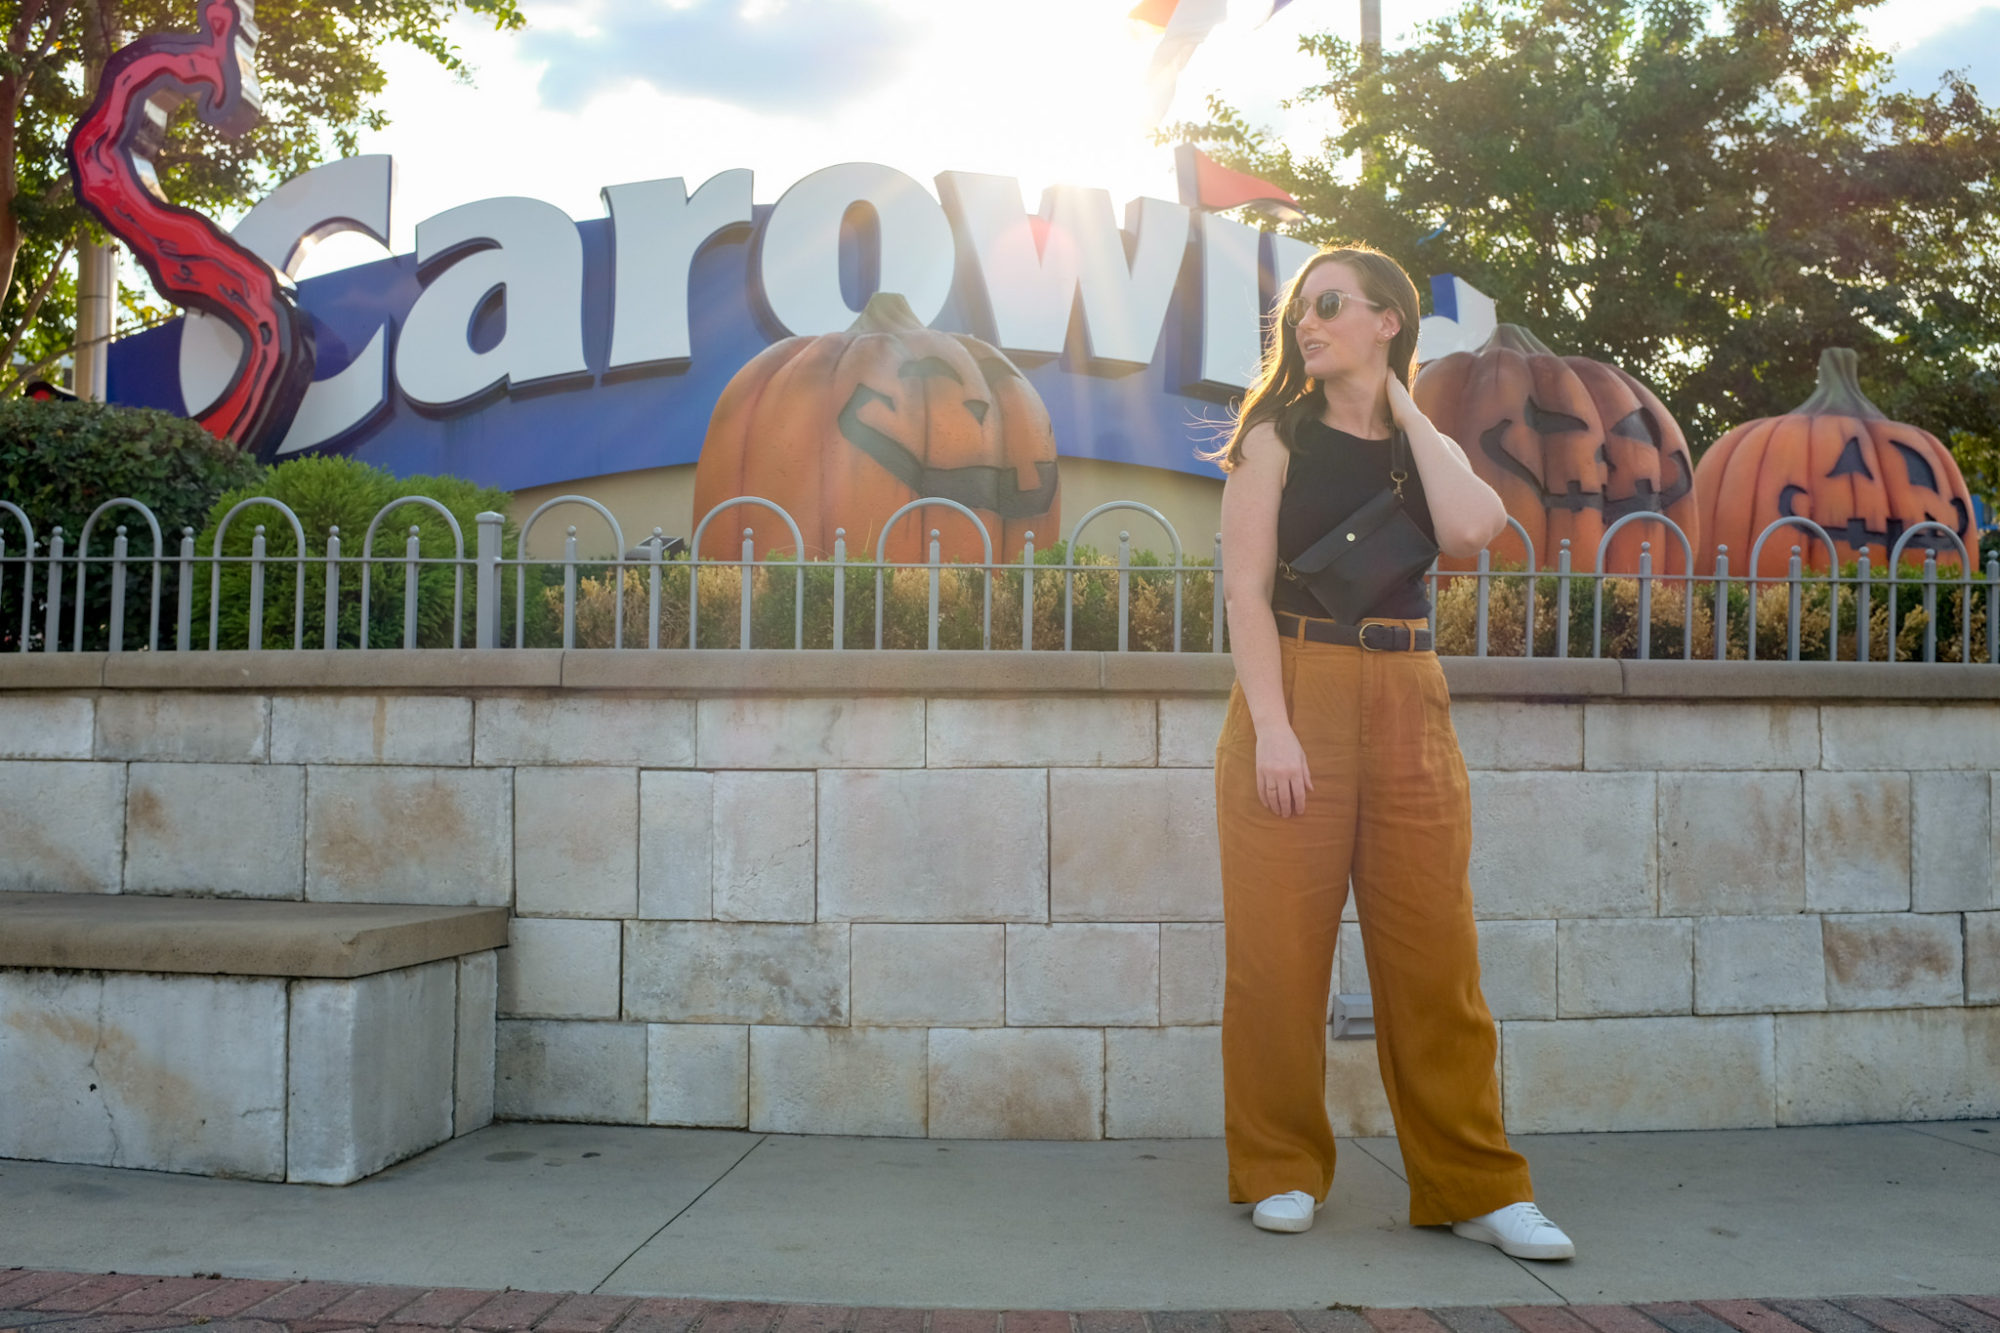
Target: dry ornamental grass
<point x="1094" y="611"/>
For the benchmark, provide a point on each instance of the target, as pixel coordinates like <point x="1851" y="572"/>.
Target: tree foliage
<point x="1704" y="194"/>
<point x="317" y="63"/>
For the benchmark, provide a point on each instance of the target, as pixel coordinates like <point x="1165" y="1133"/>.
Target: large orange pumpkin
<point x="845" y="428"/>
<point x="1572" y="445"/>
<point x="1837" y="460"/>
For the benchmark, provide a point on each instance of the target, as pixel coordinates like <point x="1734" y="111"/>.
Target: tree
<point x="1706" y="195"/>
<point x="321" y="82"/>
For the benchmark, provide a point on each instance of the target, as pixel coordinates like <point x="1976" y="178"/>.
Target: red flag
<point x="1208" y="185"/>
<point x="1155" y="12"/>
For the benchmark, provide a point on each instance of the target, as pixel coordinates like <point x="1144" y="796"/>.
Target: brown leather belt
<point x="1375" y="637"/>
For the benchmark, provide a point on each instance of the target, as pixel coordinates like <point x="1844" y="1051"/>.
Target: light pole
<point x="1371" y="49"/>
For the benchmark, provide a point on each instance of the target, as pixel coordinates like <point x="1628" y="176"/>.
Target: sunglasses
<point x="1326" y="305"/>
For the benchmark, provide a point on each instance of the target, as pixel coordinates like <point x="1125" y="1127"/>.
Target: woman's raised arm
<point x="1466" y="513"/>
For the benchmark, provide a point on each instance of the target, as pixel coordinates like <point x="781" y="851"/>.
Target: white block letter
<point x="1465" y="319"/>
<point x="799" y="263"/>
<point x="656" y="229"/>
<point x="524" y="248"/>
<point x="352" y="194"/>
<point x="1028" y="291"/>
<point x="1288" y="255"/>
<point x="1232" y="304"/>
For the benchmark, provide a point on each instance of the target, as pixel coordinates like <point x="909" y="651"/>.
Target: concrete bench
<point x="311" y="1042"/>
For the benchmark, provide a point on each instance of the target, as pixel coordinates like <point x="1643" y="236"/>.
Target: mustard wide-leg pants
<point x="1390" y="807"/>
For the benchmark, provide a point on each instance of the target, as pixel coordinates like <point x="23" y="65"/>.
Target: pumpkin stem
<point x="886" y="312"/>
<point x="1514" y="338"/>
<point x="1839" y="392"/>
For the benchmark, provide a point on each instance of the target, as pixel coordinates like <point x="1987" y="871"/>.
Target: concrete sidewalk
<point x="1878" y="1210"/>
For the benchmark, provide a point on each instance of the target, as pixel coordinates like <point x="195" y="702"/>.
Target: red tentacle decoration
<point x="192" y="261"/>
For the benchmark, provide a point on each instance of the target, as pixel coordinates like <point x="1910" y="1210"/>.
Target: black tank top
<point x="1331" y="475"/>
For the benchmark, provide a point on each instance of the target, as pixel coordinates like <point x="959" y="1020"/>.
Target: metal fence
<point x="61" y="594"/>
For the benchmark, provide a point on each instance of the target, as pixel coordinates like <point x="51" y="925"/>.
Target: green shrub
<point x="327" y="493"/>
<point x="61" y="460"/>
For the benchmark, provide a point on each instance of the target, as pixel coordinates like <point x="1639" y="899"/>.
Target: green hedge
<point x="327" y="493"/>
<point x="61" y="460"/>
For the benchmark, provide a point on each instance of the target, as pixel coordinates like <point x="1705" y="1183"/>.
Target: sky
<point x="599" y="92"/>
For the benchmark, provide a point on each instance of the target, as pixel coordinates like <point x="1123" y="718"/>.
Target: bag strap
<point x="1399" y="462"/>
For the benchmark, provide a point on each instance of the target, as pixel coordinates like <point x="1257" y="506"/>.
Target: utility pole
<point x="96" y="265"/>
<point x="1371" y="51"/>
<point x="96" y="283"/>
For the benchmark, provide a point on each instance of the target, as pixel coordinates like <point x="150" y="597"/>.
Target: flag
<point x="1207" y="185"/>
<point x="1184" y="25"/>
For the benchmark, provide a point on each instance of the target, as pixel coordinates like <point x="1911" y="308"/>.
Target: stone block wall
<point x="311" y="1080"/>
<point x="976" y="895"/>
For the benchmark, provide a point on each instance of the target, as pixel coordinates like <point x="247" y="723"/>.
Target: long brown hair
<point x="1284" y="394"/>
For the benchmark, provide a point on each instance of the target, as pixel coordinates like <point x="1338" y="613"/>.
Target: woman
<point x="1338" y="759"/>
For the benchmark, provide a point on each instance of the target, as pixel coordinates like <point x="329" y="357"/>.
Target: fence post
<point x="486" y="582"/>
<point x="1219" y="612"/>
<point x="839" y="589"/>
<point x="52" y="619"/>
<point x="119" y="550"/>
<point x="1645" y="601"/>
<point x="1992" y="609"/>
<point x="1721" y="601"/>
<point x="1562" y="599"/>
<point x="411" y="553"/>
<point x="653" y="549"/>
<point x="1484" y="567"/>
<point x="1028" y="594"/>
<point x="184" y="613"/>
<point x="1863" y="613"/>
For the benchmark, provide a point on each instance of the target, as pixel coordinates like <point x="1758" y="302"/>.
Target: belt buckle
<point x="1367" y="647"/>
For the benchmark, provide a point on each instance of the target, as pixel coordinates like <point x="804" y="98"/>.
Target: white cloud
<point x="1940" y="37"/>
<point x="794" y="56"/>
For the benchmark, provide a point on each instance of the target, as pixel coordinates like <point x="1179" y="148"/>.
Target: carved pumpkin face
<point x="1837" y="460"/>
<point x="1572" y="445"/>
<point x="846" y="428"/>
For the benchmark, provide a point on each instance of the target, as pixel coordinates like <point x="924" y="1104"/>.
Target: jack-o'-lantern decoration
<point x="846" y="428"/>
<point x="1839" y="461"/>
<point x="1572" y="445"/>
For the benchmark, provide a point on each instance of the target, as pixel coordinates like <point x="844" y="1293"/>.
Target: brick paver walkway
<point x="50" y="1302"/>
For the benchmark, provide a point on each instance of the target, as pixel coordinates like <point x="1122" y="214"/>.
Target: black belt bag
<point x="1375" y="550"/>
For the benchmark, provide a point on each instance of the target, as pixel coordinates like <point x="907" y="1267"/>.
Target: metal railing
<point x="57" y="596"/>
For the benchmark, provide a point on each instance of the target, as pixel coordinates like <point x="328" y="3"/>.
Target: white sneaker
<point x="1518" y="1229"/>
<point x="1291" y="1211"/>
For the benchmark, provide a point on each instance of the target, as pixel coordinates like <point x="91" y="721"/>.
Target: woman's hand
<point x="1282" y="777"/>
<point x="1466" y="513"/>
